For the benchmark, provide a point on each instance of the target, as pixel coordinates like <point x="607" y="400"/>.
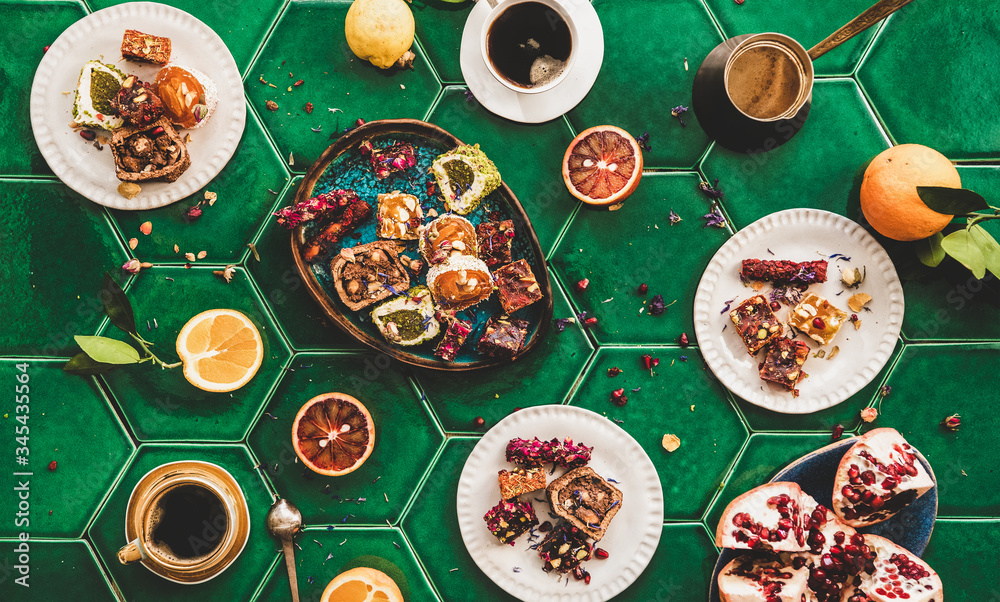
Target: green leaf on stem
<point x="988" y="245"/>
<point x="951" y="201"/>
<point x="84" y="365"/>
<point x="117" y="305"/>
<point x="963" y="248"/>
<point x="108" y="351"/>
<point x="929" y="250"/>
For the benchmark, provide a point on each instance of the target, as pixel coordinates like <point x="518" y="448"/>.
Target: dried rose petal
<point x="146" y="228"/>
<point x="869" y="414"/>
<point x="952" y="423"/>
<point x="132" y="266"/>
<point x="670" y="442"/>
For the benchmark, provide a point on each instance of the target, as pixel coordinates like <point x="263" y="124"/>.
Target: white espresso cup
<point x="518" y="39"/>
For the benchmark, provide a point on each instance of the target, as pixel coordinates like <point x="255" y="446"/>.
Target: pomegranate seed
<point x="298" y="83"/>
<point x="46" y="49"/>
<point x="775" y="306"/>
<point x="643" y="288"/>
<point x="647" y="361"/>
<point x="838" y="431"/>
<point x="478" y="421"/>
<point x="157" y="131"/>
<point x="87" y="135"/>
<point x="586" y="579"/>
<point x="545" y="527"/>
<point x="613" y="371"/>
<point x="818" y="323"/>
<point x="590" y="322"/>
<point x="52" y="466"/>
<point x="618" y="397"/>
<point x="684" y="339"/>
<point x="601" y="553"/>
<point x="359" y="122"/>
<point x="100" y="116"/>
<point x="309" y="107"/>
<point x="583" y="284"/>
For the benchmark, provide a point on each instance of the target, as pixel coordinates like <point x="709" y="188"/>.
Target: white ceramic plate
<point x="99" y="36"/>
<point x="543" y="106"/>
<point x="802" y="235"/>
<point x="630" y="540"/>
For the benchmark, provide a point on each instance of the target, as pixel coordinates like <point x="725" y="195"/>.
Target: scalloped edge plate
<point x="911" y="528"/>
<point x="800" y="235"/>
<point x="631" y="539"/>
<point x="99" y="36"/>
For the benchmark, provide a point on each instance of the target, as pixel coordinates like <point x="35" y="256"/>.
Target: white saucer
<point x="543" y="106"/>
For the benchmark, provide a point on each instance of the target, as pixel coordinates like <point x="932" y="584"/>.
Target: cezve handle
<point x="131" y="552"/>
<point x="873" y="15"/>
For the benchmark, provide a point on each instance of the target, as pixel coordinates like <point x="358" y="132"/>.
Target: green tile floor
<point x="924" y="76"/>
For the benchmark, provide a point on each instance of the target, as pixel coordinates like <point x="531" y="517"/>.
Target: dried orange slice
<point x="362" y="584"/>
<point x="603" y="165"/>
<point x="221" y="350"/>
<point x="333" y="434"/>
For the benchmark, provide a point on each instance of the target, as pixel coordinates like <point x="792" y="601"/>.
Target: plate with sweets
<point x="780" y="260"/>
<point x="82" y="157"/>
<point x="449" y="279"/>
<point x="630" y="537"/>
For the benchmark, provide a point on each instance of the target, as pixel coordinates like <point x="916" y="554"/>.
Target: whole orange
<point x="889" y="197"/>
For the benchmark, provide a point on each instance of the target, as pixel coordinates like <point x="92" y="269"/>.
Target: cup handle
<point x="131" y="552"/>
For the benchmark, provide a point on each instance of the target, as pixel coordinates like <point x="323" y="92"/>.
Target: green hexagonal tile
<point x="546" y="375"/>
<point x="964" y="555"/>
<point x="439" y="25"/>
<point x="948" y="302"/>
<point x="45" y="421"/>
<point x="431" y="525"/>
<point x="711" y="433"/>
<point x="161" y="405"/>
<point x="326" y="554"/>
<point x="53" y="568"/>
<point x="29" y="29"/>
<point x="620" y="250"/>
<point x="925" y="72"/>
<point x="814" y="169"/>
<point x="242" y="30"/>
<point x="764" y="455"/>
<point x="52" y="267"/>
<point x="934" y="381"/>
<point x="243" y="202"/>
<point x="808" y="27"/>
<point x="239" y="580"/>
<point x="847" y="413"/>
<point x="681" y="568"/>
<point x="286" y="295"/>
<point x="646" y="44"/>
<point x="406" y="439"/>
<point x="333" y="78"/>
<point x="528" y="156"/>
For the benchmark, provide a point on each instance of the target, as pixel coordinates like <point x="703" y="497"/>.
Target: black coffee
<point x="189" y="522"/>
<point x="528" y="44"/>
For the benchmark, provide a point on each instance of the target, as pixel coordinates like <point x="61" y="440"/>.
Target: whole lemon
<point x="379" y="31"/>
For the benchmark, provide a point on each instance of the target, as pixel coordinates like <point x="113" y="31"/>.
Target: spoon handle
<point x="873" y="15"/>
<point x="286" y="543"/>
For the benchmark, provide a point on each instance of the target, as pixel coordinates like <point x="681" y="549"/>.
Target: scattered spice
<point x="714" y="218"/>
<point x="614" y="371"/>
<point x="684" y="340"/>
<point x="670" y="442"/>
<point x="643" y="289"/>
<point x="674" y="218"/>
<point x="869" y="414"/>
<point x="192" y="213"/>
<point x="711" y="190"/>
<point x="132" y="266"/>
<point x="478" y="421"/>
<point x="678" y="112"/>
<point x="298" y="83"/>
<point x="271" y="106"/>
<point x="644" y="142"/>
<point x="656" y="306"/>
<point x="561" y="323"/>
<point x="618" y="397"/>
<point x="952" y="423"/>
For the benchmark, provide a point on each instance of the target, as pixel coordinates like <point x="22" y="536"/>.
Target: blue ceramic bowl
<point x="814" y="473"/>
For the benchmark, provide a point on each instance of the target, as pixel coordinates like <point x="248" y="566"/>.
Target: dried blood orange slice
<point x="333" y="434"/>
<point x="602" y="165"/>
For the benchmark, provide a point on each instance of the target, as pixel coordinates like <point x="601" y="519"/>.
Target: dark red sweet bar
<point x="342" y="225"/>
<point x="782" y="271"/>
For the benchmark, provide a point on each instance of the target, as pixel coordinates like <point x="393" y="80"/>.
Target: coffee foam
<point x="764" y="81"/>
